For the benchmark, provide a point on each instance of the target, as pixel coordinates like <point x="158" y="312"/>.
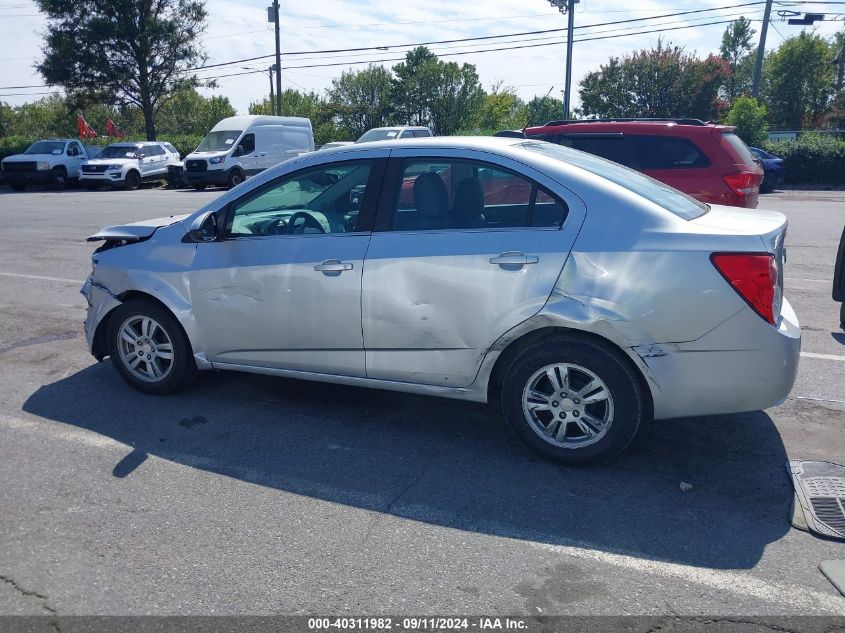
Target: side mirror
<point x="205" y="228"/>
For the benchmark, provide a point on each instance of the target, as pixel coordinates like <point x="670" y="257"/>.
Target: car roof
<point x="688" y="126"/>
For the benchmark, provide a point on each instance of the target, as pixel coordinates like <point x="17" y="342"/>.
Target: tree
<point x="458" y="97"/>
<point x="123" y="51"/>
<point x="736" y="44"/>
<point x="188" y="112"/>
<point x="800" y="81"/>
<point x="661" y="82"/>
<point x="413" y="86"/>
<point x="360" y="100"/>
<point x="541" y="110"/>
<point x="749" y="118"/>
<point x="501" y="109"/>
<point x="305" y="104"/>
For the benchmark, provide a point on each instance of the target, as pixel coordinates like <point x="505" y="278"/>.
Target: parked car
<point x="52" y="161"/>
<point x="599" y="299"/>
<point x="334" y="144"/>
<point x="239" y="147"/>
<point x="394" y="133"/>
<point x="705" y="160"/>
<point x="774" y="172"/>
<point x="127" y="165"/>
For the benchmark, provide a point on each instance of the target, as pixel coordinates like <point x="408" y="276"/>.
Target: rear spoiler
<point x="839" y="272"/>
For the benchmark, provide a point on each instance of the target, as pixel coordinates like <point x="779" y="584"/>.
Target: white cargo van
<point x="241" y="146"/>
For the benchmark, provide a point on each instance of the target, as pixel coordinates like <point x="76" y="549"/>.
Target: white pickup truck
<point x="52" y="161"/>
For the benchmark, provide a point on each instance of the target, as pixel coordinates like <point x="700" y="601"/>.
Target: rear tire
<point x="590" y="413"/>
<point x="132" y="181"/>
<point x="768" y="184"/>
<point x="149" y="349"/>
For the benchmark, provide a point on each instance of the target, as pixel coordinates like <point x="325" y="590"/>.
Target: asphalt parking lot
<point x="257" y="495"/>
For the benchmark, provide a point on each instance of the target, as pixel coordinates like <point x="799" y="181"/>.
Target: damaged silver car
<point x="583" y="296"/>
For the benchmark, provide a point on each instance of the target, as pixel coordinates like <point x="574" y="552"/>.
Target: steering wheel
<point x="308" y="221"/>
<point x="277" y="226"/>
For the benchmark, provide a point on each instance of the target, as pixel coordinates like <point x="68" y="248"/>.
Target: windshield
<point x="119" y="151"/>
<point x="653" y="190"/>
<point x="46" y="147"/>
<point x="219" y="141"/>
<point x="378" y="135"/>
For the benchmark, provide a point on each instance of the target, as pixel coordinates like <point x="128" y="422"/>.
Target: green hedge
<point x="812" y="158"/>
<point x="184" y="143"/>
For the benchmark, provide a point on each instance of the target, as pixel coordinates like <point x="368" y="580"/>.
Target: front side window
<point x="438" y="194"/>
<point x="73" y="149"/>
<point x="324" y="199"/>
<point x="248" y="144"/>
<point x="612" y="147"/>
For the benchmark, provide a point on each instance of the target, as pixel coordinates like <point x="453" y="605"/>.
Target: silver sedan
<point x="585" y="297"/>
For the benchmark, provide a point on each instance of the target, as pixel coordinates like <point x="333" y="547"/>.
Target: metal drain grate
<point x="820" y="489"/>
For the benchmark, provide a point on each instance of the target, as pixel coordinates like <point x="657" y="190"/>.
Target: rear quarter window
<point x="667" y="152"/>
<point x="738" y="148"/>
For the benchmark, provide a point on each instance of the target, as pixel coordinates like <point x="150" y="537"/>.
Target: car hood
<point x="110" y="161"/>
<point x="20" y="158"/>
<point x="136" y="230"/>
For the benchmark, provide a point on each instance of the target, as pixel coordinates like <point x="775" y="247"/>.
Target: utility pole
<point x="272" y="97"/>
<point x="568" y="7"/>
<point x="273" y="16"/>
<point x="761" y="51"/>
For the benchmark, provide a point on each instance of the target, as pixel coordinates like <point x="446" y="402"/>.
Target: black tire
<point x="18" y="186"/>
<point x="768" y="184"/>
<point x="235" y="178"/>
<point x="629" y="405"/>
<point x="200" y="187"/>
<point x="91" y="186"/>
<point x="183" y="366"/>
<point x="59" y="178"/>
<point x="132" y="181"/>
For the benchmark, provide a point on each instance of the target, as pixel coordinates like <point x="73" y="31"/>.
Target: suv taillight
<point x="755" y="277"/>
<point x="743" y="182"/>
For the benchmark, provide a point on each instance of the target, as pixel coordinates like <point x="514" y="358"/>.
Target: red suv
<point x="707" y="161"/>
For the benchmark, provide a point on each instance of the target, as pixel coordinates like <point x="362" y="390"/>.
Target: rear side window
<point x="667" y="152"/>
<point x="441" y="194"/>
<point x="155" y="150"/>
<point x="739" y="148"/>
<point x="422" y="133"/>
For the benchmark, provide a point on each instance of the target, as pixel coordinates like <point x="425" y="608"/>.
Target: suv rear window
<point x="738" y="146"/>
<point x="655" y="191"/>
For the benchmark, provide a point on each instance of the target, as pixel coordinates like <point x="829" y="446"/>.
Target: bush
<point x="11" y="145"/>
<point x="812" y="158"/>
<point x="749" y="118"/>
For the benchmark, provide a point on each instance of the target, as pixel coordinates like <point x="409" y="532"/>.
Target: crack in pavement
<point x="45" y="601"/>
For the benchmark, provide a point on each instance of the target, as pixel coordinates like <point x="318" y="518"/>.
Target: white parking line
<point x="42" y="278"/>
<point x="822" y="356"/>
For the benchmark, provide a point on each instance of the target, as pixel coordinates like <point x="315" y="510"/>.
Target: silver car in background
<point x="584" y="296"/>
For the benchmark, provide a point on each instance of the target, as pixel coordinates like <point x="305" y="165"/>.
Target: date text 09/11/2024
<point x="416" y="624"/>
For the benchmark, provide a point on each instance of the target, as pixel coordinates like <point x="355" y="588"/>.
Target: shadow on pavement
<point x="452" y="463"/>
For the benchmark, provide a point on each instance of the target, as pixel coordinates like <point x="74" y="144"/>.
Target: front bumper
<point x="743" y="365"/>
<point x="100" y="303"/>
<point x="42" y="177"/>
<point x="113" y="177"/>
<point x="205" y="177"/>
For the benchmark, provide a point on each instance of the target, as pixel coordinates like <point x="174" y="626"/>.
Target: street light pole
<point x="568" y="7"/>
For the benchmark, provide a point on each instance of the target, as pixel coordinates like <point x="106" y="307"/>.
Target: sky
<point x="239" y="29"/>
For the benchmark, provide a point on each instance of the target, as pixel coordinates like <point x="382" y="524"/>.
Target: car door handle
<point x="263" y="154"/>
<point x="514" y="258"/>
<point x="332" y="266"/>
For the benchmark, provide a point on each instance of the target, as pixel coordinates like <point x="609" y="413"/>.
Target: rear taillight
<point x="743" y="183"/>
<point x="755" y="277"/>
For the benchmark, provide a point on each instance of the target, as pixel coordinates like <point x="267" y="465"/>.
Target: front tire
<point x="573" y="400"/>
<point x="132" y="181"/>
<point x="18" y="186"/>
<point x="148" y="348"/>
<point x="59" y="178"/>
<point x="235" y="178"/>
